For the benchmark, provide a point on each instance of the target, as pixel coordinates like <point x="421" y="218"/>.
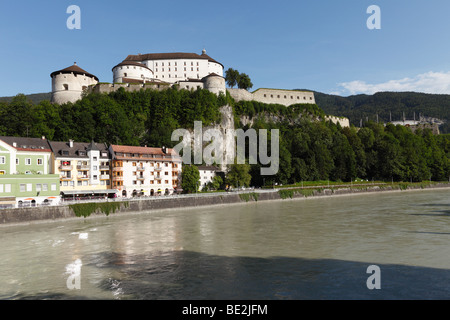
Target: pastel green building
<point x="26" y="173"/>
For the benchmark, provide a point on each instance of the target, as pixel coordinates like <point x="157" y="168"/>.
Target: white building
<point x="84" y="168"/>
<point x="207" y="173"/>
<point x="68" y="84"/>
<point x="144" y="171"/>
<point x="166" y="67"/>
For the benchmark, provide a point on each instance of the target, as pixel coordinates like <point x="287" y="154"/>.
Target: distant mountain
<point x="388" y="106"/>
<point x="35" y="97"/>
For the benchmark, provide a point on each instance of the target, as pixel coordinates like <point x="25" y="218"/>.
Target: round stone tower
<point x="214" y="83"/>
<point x="131" y="71"/>
<point x="68" y="84"/>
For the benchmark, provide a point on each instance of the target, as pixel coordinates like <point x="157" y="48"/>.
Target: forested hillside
<point x="387" y="105"/>
<point x="310" y="149"/>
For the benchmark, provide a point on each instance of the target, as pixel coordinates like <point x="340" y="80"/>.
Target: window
<point x="17" y="160"/>
<point x="94" y="168"/>
<point x="2" y="160"/>
<point x="125" y="74"/>
<point x="8" y="187"/>
<point x="1" y="188"/>
<point x="22" y="187"/>
<point x="66" y="86"/>
<point x="38" y="187"/>
<point x="2" y="172"/>
<point x="166" y="181"/>
<point x="95" y="177"/>
<point x="40" y="161"/>
<point x="29" y="187"/>
<point x="28" y="161"/>
<point x="104" y="154"/>
<point x="79" y="184"/>
<point x="45" y="187"/>
<point x="95" y="158"/>
<point x="53" y="187"/>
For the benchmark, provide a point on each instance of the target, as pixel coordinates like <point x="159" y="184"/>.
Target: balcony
<point x="158" y="168"/>
<point x="116" y="169"/>
<point x="83" y="177"/>
<point x="140" y="169"/>
<point x="117" y="178"/>
<point x="104" y="177"/>
<point x="83" y="167"/>
<point x="140" y="177"/>
<point x="65" y="167"/>
<point x="65" y="178"/>
<point x="105" y="167"/>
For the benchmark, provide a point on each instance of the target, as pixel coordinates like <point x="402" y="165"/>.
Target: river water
<point x="316" y="248"/>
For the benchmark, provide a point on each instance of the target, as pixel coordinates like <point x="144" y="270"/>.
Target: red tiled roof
<point x="143" y="150"/>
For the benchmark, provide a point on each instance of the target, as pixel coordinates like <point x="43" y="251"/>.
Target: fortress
<point x="160" y="71"/>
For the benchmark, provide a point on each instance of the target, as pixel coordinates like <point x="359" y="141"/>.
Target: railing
<point x="115" y="169"/>
<point x="83" y="177"/>
<point x="83" y="167"/>
<point x="140" y="169"/>
<point x="65" y="178"/>
<point x="65" y="167"/>
<point x="105" y="167"/>
<point x="117" y="178"/>
<point x="104" y="177"/>
<point x="140" y="177"/>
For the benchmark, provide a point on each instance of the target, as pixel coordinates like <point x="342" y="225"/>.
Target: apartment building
<point x="26" y="175"/>
<point x="144" y="171"/>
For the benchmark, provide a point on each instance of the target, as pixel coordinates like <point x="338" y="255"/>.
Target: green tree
<point x="244" y="82"/>
<point x="238" y="175"/>
<point x="190" y="178"/>
<point x="231" y="77"/>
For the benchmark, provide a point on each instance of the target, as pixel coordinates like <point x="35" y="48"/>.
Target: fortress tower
<point x="68" y="84"/>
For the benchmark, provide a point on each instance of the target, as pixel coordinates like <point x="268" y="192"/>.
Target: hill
<point x="388" y="106"/>
<point x="35" y="97"/>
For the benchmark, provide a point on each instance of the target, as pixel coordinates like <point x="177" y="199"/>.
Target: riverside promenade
<point x="147" y="204"/>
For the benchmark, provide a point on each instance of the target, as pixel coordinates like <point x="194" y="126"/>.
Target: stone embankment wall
<point x="53" y="213"/>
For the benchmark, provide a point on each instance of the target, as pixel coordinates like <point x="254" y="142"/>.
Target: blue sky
<point x="321" y="45"/>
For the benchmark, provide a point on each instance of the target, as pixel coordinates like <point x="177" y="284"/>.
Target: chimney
<point x="71" y="143"/>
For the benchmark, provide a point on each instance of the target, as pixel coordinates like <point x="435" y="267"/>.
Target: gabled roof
<point x="74" y="152"/>
<point x="27" y="144"/>
<point x="75" y="70"/>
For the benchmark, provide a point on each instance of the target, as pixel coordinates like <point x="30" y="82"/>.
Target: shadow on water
<point x="179" y="275"/>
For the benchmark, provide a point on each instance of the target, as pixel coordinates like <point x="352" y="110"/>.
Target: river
<point x="315" y="248"/>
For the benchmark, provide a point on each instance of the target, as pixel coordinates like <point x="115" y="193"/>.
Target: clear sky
<point x="322" y="45"/>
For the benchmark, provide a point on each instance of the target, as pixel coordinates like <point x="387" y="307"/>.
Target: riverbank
<point x="97" y="209"/>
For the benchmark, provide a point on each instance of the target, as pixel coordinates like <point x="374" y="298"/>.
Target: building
<point x="166" y="67"/>
<point x="68" y="84"/>
<point x="207" y="173"/>
<point x="144" y="171"/>
<point x="26" y="176"/>
<point x="83" y="169"/>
